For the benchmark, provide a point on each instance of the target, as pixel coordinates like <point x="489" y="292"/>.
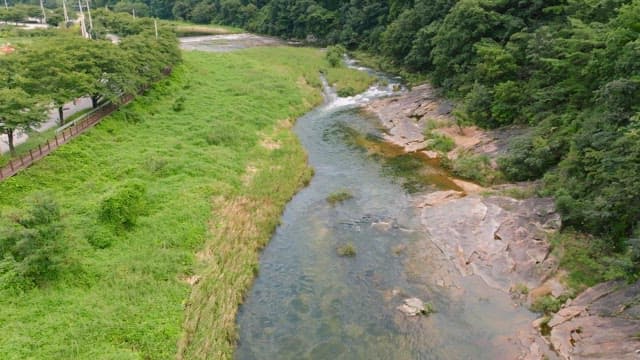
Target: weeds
<point x="346" y="250"/>
<point x="338" y="197"/>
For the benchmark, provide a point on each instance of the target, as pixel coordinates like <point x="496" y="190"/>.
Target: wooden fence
<point x="16" y="165"/>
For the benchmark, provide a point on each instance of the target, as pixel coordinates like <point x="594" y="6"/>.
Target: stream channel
<point x="310" y="303"/>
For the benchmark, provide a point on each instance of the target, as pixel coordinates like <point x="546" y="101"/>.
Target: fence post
<point x="40" y="149"/>
<point x="31" y="154"/>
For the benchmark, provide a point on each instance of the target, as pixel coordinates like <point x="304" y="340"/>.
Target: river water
<point x="310" y="303"/>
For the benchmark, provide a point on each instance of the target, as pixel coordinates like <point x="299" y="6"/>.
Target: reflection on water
<point x="309" y="303"/>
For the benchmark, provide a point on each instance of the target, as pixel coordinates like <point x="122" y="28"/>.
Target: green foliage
<point x="548" y="304"/>
<point x="178" y="103"/>
<point x="590" y="261"/>
<point x="438" y="142"/>
<point x="476" y="168"/>
<point x="346" y="92"/>
<point x="32" y="246"/>
<point x="428" y="309"/>
<point x="122" y="208"/>
<point x="335" y="54"/>
<point x="101" y="237"/>
<point x="338" y="197"/>
<point x="346" y="250"/>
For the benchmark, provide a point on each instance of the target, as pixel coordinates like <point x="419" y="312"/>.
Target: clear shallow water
<point x="309" y="303"/>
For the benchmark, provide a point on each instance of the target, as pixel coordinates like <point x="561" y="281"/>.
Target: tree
<point x="19" y="111"/>
<point x="56" y="69"/>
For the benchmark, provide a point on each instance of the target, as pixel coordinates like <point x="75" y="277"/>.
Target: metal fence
<point x="81" y="125"/>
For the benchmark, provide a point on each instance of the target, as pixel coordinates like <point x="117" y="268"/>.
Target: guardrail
<point x="63" y="136"/>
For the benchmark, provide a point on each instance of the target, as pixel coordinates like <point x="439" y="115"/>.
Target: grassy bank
<point x="217" y="173"/>
<point x="183" y="28"/>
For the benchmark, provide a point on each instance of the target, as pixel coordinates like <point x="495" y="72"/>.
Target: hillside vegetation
<point x="99" y="240"/>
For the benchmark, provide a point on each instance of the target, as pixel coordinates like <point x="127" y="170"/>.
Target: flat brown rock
<point x="502" y="240"/>
<point x="599" y="324"/>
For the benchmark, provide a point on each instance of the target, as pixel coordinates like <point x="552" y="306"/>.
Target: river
<point x="310" y="303"/>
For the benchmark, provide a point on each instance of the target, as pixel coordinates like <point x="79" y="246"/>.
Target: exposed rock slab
<point x="405" y="117"/>
<point x="602" y="323"/>
<point x="500" y="239"/>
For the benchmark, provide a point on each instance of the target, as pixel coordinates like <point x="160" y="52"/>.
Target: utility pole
<point x="66" y="14"/>
<point x="134" y="13"/>
<point x="155" y="24"/>
<point x="90" y="20"/>
<point x="44" y="15"/>
<point x="6" y="6"/>
<point x="83" y="26"/>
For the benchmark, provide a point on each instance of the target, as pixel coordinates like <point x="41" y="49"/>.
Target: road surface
<point x="52" y="121"/>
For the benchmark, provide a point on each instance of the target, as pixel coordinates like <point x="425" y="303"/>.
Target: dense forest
<point x="567" y="68"/>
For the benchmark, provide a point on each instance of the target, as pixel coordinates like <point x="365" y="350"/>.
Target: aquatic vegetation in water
<point x="346" y="250"/>
<point x="339" y="196"/>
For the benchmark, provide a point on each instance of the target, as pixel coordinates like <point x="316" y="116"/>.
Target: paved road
<point x="69" y="109"/>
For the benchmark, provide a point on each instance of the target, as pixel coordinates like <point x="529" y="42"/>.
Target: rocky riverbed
<point x="505" y="242"/>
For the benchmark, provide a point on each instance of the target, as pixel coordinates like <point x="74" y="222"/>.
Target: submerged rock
<point x="414" y="306"/>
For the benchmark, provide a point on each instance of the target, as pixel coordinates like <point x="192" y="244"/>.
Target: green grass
<point x="35" y="139"/>
<point x="38" y="138"/>
<point x="184" y="28"/>
<point x="348" y="82"/>
<point x="206" y="216"/>
<point x="438" y="142"/>
<point x="588" y="261"/>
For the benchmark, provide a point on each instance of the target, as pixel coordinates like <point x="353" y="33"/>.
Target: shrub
<point x="346" y="92"/>
<point x="528" y="158"/>
<point x="32" y="246"/>
<point x="476" y="168"/>
<point x="334" y="55"/>
<point x="439" y="142"/>
<point x="122" y="208"/>
<point x="477" y="107"/>
<point x="548" y="304"/>
<point x="101" y="237"/>
<point x="178" y="103"/>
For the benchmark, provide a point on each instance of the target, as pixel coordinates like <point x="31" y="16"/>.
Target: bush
<point x="178" y="103"/>
<point x="122" y="208"/>
<point x="346" y="92"/>
<point x="528" y="158"/>
<point x="32" y="246"/>
<point x="334" y="55"/>
<point x="439" y="142"/>
<point x="101" y="237"/>
<point x="548" y="304"/>
<point x="476" y="168"/>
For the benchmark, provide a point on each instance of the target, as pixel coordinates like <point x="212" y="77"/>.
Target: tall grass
<point x="171" y="283"/>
